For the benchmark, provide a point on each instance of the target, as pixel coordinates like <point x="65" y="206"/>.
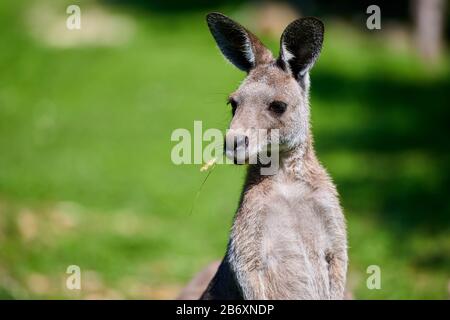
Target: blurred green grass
<point x="86" y="176"/>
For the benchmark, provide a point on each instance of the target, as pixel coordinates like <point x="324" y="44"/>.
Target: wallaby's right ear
<point x="239" y="46"/>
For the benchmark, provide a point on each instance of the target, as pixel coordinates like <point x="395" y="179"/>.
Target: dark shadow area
<point x="345" y="9"/>
<point x="173" y="6"/>
<point x="433" y="259"/>
<point x="405" y="117"/>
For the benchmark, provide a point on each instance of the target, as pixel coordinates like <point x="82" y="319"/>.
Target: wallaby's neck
<point x="298" y="163"/>
<point x="244" y="250"/>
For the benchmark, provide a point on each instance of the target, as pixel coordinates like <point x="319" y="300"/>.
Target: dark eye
<point x="233" y="104"/>
<point x="278" y="107"/>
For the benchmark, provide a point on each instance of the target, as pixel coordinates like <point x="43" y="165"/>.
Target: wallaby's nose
<point x="235" y="146"/>
<point x="246" y="141"/>
<point x="237" y="142"/>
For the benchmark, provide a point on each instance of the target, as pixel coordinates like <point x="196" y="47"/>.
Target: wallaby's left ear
<point x="238" y="45"/>
<point x="301" y="43"/>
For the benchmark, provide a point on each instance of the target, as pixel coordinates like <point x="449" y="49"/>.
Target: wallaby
<point x="288" y="239"/>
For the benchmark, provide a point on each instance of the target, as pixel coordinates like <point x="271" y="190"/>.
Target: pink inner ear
<point x="238" y="45"/>
<point x="261" y="53"/>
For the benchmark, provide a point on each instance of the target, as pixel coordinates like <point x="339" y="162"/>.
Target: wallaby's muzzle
<point x="236" y="147"/>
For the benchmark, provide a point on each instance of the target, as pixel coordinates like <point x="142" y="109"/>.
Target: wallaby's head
<point x="274" y="94"/>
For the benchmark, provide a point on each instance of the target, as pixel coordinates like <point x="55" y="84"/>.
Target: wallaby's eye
<point x="233" y="104"/>
<point x="278" y="107"/>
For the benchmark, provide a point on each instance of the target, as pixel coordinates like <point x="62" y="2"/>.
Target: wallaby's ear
<point x="300" y="44"/>
<point x="239" y="46"/>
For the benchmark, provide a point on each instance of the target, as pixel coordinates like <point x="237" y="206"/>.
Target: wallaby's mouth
<point x="239" y="163"/>
<point x="239" y="157"/>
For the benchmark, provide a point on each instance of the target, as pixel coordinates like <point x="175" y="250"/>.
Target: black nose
<point x="238" y="141"/>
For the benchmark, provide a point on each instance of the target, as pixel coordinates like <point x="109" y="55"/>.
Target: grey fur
<point x="288" y="239"/>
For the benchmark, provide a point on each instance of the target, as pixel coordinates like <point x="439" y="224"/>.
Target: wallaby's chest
<point x="285" y="225"/>
<point x="282" y="234"/>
